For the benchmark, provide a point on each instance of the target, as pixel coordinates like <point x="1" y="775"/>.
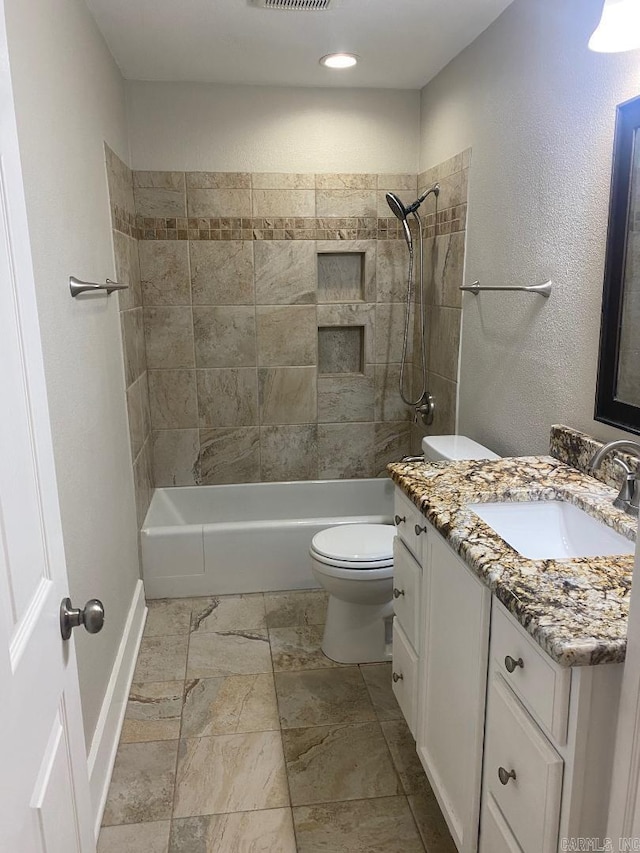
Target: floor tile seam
<point x="228" y="734"/>
<point x="335" y="723"/>
<point x="225" y="814"/>
<point x="417" y="825"/>
<point x="358" y="799"/>
<point x="184" y="687"/>
<point x="393" y="761"/>
<point x="339" y="726"/>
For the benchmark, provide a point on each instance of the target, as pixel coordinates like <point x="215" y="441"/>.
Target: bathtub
<point x="253" y="537"/>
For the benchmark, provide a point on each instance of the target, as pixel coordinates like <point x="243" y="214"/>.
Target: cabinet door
<point x="453" y="678"/>
<point x="406" y="591"/>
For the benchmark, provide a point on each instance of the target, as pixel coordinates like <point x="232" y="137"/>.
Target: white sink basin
<point x="552" y="530"/>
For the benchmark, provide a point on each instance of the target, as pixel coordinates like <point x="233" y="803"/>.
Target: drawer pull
<point x="419" y="529"/>
<point x="397" y="592"/>
<point x="400" y="520"/>
<point x="511" y="664"/>
<point x="398" y="676"/>
<point x="504" y="776"/>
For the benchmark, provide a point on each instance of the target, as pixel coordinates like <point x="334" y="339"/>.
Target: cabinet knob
<point x="504" y="775"/>
<point x="511" y="664"/>
<point x="397" y="592"/>
<point x="397" y="676"/>
<point x="419" y="529"/>
<point x="399" y="519"/>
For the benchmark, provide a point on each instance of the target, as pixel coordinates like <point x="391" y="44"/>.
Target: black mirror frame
<point x="608" y="409"/>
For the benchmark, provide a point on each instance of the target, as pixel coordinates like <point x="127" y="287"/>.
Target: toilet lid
<point x="357" y="543"/>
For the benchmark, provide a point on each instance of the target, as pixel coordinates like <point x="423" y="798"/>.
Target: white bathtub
<point x="253" y="537"/>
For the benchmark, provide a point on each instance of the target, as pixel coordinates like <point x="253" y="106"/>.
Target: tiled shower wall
<point x="271" y="355"/>
<point x="444" y="251"/>
<point x="127" y="270"/>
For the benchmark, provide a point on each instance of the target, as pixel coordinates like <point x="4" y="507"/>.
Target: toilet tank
<point x="438" y="448"/>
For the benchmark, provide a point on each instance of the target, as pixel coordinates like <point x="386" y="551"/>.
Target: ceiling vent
<point x="295" y="5"/>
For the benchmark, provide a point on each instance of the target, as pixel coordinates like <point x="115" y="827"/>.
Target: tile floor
<point x="240" y="736"/>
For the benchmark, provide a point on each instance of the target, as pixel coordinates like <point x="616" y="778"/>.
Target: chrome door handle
<point x="91" y="616"/>
<point x="511" y="664"/>
<point x="419" y="530"/>
<point x="397" y="592"/>
<point x="399" y="519"/>
<point x="504" y="775"/>
<point x="397" y="677"/>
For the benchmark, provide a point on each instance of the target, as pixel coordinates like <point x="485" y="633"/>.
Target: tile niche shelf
<point x="340" y="349"/>
<point x="341" y="276"/>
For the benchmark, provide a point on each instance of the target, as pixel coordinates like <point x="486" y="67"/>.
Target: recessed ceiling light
<point x="339" y="60"/>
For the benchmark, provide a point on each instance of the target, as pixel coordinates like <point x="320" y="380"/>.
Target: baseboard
<point x="102" y="754"/>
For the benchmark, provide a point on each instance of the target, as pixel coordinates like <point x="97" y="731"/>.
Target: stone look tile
<point x="285" y="272"/>
<point x="164" y="272"/>
<point x="289" y="452"/>
<point x="286" y="335"/>
<point x="160" y="202"/>
<point x="340" y="350"/>
<point x="321" y="697"/>
<point x="390" y="319"/>
<point x="229" y="455"/>
<point x="218" y="181"/>
<point x="222" y="272"/>
<point x="135" y="837"/>
<point x="175" y="457"/>
<point x="153" y="712"/>
<point x="377" y="677"/>
<point x="444" y="341"/>
<point x="388" y="402"/>
<point x="346" y="450"/>
<point x="453" y="189"/>
<point x="403" y="182"/>
<point x="219" y="202"/>
<point x="402" y="747"/>
<point x="346" y="202"/>
<point x="133" y="344"/>
<point x="143" y="481"/>
<point x="236" y="703"/>
<point x="298" y="648"/>
<point x="330" y="763"/>
<point x="282" y="181"/>
<point x="228" y="612"/>
<point x="168" y="333"/>
<point x="295" y="609"/>
<point x="161" y="659"/>
<point x="431" y="823"/>
<point x="287" y="395"/>
<point x="392" y="269"/>
<point x="382" y="825"/>
<point x="127" y="270"/>
<point x="283" y="203"/>
<point x="234" y="652"/>
<point x="351" y="315"/>
<point x="340" y="263"/>
<point x="135" y="417"/>
<point x="161" y="180"/>
<point x="268" y="831"/>
<point x="230" y="773"/>
<point x="449" y="269"/>
<point x="119" y="180"/>
<point x="345" y="181"/>
<point x="392" y="442"/>
<point x="344" y="398"/>
<point x="225" y="336"/>
<point x="172" y="399"/>
<point x="168" y="616"/>
<point x="142" y="783"/>
<point x="227" y="397"/>
<point x="445" y="393"/>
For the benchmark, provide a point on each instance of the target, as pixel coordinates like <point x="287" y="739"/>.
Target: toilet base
<point x="357" y="633"/>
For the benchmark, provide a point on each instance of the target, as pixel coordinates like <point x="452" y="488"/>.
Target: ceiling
<point x="402" y="44"/>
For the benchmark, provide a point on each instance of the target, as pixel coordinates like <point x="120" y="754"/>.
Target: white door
<point x="44" y="788"/>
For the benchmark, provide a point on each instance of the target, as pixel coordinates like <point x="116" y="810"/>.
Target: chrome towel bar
<point x="77" y="287"/>
<point x="476" y="288"/>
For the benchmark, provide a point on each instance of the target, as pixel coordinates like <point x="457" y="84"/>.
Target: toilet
<point x="354" y="563"/>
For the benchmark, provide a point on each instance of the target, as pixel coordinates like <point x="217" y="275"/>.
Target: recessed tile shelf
<point x="341" y="349"/>
<point x="341" y="277"/>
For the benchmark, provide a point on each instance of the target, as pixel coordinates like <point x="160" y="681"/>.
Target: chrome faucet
<point x="628" y="498"/>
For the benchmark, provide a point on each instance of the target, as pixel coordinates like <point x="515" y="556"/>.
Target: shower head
<point x="401" y="212"/>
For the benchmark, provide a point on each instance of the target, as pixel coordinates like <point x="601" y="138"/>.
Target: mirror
<point x="618" y="389"/>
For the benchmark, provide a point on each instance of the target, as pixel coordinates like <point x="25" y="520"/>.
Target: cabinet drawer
<point x="542" y="685"/>
<point x="514" y="744"/>
<point x="405" y="676"/>
<point x="495" y="835"/>
<point x="410" y="524"/>
<point x="406" y="591"/>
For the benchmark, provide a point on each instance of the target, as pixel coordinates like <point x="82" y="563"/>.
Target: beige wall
<point x="204" y="127"/>
<point x="70" y="98"/>
<point x="537" y="108"/>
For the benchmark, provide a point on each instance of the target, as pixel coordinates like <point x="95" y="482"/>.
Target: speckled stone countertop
<point x="576" y="609"/>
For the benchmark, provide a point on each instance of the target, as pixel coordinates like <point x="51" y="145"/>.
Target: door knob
<point x="91" y="616"/>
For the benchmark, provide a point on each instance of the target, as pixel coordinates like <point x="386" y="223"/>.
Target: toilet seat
<point x="356" y="547"/>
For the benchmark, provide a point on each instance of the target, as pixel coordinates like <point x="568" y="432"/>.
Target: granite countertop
<point x="576" y="609"/>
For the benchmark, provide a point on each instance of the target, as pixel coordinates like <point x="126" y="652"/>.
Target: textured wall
<point x="538" y="110"/>
<point x="203" y="127"/>
<point x="268" y="358"/>
<point x="69" y="99"/>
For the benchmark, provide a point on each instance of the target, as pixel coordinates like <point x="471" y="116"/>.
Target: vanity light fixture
<point x="339" y="60"/>
<point x="619" y="27"/>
